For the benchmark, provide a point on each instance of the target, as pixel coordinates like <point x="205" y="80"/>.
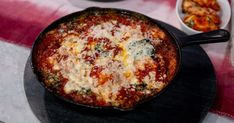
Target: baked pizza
<point x="105" y="59"/>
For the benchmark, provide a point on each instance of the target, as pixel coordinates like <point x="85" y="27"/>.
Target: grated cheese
<point x="121" y="67"/>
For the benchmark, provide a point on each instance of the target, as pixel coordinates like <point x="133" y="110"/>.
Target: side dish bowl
<point x="224" y="14"/>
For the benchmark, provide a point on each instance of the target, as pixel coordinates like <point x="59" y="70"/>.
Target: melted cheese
<point x="121" y="67"/>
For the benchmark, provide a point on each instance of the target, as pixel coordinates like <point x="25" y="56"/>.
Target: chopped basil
<point x="190" y="23"/>
<point x="86" y="91"/>
<point x="140" y="87"/>
<point x="208" y="19"/>
<point x="141" y="49"/>
<point x="168" y="72"/>
<point x="70" y="26"/>
<point x="77" y="59"/>
<point x="98" y="47"/>
<point x="53" y="80"/>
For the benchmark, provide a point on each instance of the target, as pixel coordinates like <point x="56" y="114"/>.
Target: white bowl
<point x="224" y="14"/>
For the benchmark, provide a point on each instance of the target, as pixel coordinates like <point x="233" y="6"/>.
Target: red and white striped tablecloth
<point x="22" y="20"/>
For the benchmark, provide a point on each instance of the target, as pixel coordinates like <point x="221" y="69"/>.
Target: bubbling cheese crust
<point x="106" y="60"/>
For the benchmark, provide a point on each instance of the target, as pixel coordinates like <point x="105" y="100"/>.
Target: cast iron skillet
<point x="202" y="38"/>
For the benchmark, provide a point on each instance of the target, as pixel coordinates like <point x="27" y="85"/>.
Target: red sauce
<point x="117" y="50"/>
<point x="102" y="78"/>
<point x="148" y="68"/>
<point x="129" y="96"/>
<point x="95" y="71"/>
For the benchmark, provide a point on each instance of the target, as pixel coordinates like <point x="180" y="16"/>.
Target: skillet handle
<point x="204" y="38"/>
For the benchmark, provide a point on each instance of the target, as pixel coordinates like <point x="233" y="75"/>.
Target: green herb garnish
<point x="190" y="23"/>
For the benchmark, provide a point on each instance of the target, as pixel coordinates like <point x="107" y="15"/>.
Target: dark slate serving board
<point x="186" y="100"/>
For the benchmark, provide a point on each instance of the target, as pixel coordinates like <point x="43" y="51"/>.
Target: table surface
<point x="14" y="107"/>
